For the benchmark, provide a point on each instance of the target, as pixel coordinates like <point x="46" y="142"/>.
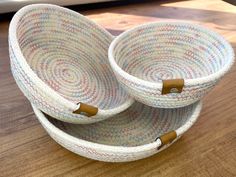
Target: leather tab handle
<point x="86" y="109"/>
<point x="172" y="86"/>
<point x="167" y="138"/>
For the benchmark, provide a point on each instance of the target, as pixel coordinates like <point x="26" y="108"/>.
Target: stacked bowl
<point x="112" y="98"/>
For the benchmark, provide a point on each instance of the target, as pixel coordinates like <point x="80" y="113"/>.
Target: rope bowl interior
<point x="59" y="61"/>
<point x="169" y="64"/>
<point x="138" y="132"/>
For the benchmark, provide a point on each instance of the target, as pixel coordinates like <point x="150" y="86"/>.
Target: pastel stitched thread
<point x="131" y="135"/>
<point x="59" y="58"/>
<point x="144" y="56"/>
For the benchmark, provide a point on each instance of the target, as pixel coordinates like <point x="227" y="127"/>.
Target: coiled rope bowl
<point x="138" y="132"/>
<point x="59" y="60"/>
<point x="169" y="64"/>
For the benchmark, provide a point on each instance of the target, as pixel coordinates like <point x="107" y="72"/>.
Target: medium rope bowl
<point x="169" y="64"/>
<point x="138" y="132"/>
<point x="59" y="61"/>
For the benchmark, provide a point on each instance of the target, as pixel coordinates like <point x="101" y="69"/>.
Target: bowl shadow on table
<point x="114" y="32"/>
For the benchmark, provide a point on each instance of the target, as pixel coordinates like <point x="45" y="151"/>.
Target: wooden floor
<point x="208" y="149"/>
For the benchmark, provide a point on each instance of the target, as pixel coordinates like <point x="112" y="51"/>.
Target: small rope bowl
<point x="138" y="132"/>
<point x="59" y="60"/>
<point x="169" y="64"/>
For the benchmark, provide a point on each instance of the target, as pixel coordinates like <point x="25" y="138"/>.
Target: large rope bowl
<point x="169" y="64"/>
<point x="138" y="132"/>
<point x="59" y="61"/>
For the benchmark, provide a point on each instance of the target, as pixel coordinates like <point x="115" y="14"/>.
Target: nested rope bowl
<point x="59" y="60"/>
<point x="138" y="132"/>
<point x="169" y="64"/>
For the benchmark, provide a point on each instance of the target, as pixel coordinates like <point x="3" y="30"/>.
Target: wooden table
<point x="208" y="149"/>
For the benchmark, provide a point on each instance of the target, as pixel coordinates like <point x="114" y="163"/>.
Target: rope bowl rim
<point x="50" y="92"/>
<point x="61" y="136"/>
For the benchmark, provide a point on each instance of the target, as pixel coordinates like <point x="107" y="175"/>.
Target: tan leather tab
<point x="167" y="138"/>
<point x="172" y="86"/>
<point x="86" y="109"/>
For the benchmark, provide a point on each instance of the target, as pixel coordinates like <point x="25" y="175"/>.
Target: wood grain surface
<point x="208" y="149"/>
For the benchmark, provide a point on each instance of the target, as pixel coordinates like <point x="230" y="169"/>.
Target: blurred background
<point x="7" y="6"/>
<point x="14" y="5"/>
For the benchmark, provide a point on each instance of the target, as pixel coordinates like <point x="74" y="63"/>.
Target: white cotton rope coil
<point x="145" y="56"/>
<point x="59" y="58"/>
<point x="128" y="136"/>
